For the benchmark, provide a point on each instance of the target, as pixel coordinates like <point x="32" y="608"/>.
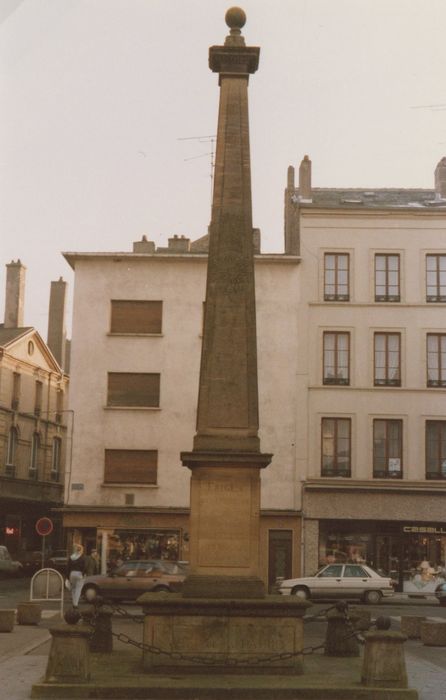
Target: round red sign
<point x="44" y="526"/>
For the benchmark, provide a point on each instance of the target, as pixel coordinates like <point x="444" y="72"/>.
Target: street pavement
<point x="24" y="652"/>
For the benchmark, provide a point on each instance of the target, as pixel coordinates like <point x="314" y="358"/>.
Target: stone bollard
<point x="69" y="657"/>
<point x="433" y="634"/>
<point x="384" y="665"/>
<point x="99" y="617"/>
<point x="7" y="618"/>
<point x="411" y="626"/>
<point x="29" y="613"/>
<point x="340" y="640"/>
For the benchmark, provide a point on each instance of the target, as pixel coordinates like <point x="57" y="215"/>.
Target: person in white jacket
<point x="76" y="572"/>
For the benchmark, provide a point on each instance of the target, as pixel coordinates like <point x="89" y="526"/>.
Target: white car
<point x="340" y="581"/>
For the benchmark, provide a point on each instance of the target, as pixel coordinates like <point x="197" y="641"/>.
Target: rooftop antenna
<point x="209" y="138"/>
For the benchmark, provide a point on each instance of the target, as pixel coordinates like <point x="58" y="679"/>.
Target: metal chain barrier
<point x="206" y="661"/>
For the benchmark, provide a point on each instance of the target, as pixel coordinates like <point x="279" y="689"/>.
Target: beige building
<point x="372" y="375"/>
<point x="33" y="424"/>
<point x="135" y="365"/>
<point x="351" y="329"/>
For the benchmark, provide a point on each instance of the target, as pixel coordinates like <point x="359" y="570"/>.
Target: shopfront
<point x="412" y="555"/>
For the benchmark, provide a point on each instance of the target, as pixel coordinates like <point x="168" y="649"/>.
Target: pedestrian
<point x="75" y="572"/>
<point x="92" y="563"/>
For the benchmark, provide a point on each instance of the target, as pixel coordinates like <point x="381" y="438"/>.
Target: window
<point x="387" y="449"/>
<point x="13" y="439"/>
<point x="436" y="359"/>
<point x="435" y="449"/>
<point x="387" y="359"/>
<point x="136" y="316"/>
<point x="336" y="447"/>
<point x="387" y="277"/>
<point x="130" y="466"/>
<point x="16" y="382"/>
<point x="353" y="571"/>
<point x="34" y="458"/>
<point x="38" y="398"/>
<point x="336" y="277"/>
<point x="435" y="278"/>
<point x="336" y="358"/>
<point x="59" y="405"/>
<point x="55" y="459"/>
<point x="332" y="571"/>
<point x="133" y="389"/>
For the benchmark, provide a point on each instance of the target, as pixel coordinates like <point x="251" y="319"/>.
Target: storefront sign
<point x="425" y="529"/>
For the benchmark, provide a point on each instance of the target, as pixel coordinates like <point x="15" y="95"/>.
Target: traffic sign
<point x="44" y="526"/>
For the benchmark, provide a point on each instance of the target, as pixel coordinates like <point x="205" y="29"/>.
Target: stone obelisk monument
<point x="222" y="617"/>
<point x="226" y="458"/>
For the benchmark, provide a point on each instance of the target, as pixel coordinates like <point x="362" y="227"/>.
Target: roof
<point x="372" y="198"/>
<point x="9" y="335"/>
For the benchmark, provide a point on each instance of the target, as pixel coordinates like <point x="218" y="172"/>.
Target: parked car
<point x="31" y="562"/>
<point x="58" y="560"/>
<point x="135" y="577"/>
<point x="440" y="593"/>
<point x="8" y="567"/>
<point x="340" y="581"/>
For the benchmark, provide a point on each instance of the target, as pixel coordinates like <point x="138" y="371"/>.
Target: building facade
<point x="351" y="326"/>
<point x="372" y="370"/>
<point x="134" y="396"/>
<point x="33" y="427"/>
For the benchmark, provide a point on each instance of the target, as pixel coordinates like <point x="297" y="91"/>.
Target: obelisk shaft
<point x="226" y="458"/>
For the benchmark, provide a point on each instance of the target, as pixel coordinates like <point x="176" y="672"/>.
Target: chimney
<point x="179" y="244"/>
<point x="290" y="178"/>
<point x="56" y="321"/>
<point x="440" y="179"/>
<point x="15" y="294"/>
<point x="305" y="178"/>
<point x="144" y="246"/>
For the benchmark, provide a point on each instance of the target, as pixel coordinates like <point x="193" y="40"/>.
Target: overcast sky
<point x="96" y="94"/>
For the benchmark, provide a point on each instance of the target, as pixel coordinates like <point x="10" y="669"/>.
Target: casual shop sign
<point x="425" y="530"/>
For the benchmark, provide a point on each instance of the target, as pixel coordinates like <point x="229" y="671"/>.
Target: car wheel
<point x="301" y="592"/>
<point x="90" y="592"/>
<point x="161" y="589"/>
<point x="372" y="597"/>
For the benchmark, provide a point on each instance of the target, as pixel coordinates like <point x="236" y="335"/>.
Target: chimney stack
<point x="305" y="178"/>
<point x="440" y="179"/>
<point x="56" y="321"/>
<point x="15" y="294"/>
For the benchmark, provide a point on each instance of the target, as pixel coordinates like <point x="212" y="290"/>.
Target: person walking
<point x="75" y="572"/>
<point x="92" y="563"/>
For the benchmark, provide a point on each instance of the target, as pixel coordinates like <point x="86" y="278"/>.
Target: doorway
<point x="280" y="553"/>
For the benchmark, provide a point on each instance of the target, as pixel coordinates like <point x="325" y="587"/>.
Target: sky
<point x="102" y="101"/>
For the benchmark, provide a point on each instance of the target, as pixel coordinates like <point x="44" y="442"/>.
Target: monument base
<point x="223" y="635"/>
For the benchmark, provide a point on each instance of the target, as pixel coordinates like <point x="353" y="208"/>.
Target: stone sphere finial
<point x="235" y="18"/>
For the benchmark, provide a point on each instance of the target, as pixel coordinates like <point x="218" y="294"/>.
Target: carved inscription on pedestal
<point x="225" y="514"/>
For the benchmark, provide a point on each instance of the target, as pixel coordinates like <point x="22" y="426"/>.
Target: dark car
<point x="135" y="577"/>
<point x="440" y="593"/>
<point x="31" y="562"/>
<point x="58" y="560"/>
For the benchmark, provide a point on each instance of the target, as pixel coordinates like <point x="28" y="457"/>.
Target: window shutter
<point x="136" y="316"/>
<point x="133" y="389"/>
<point x="131" y="466"/>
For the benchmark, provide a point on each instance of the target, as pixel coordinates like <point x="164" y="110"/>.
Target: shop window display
<point x="413" y="556"/>
<point x="146" y="544"/>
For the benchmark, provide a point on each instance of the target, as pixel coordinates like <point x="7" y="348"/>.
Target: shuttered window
<point x="130" y="466"/>
<point x="133" y="389"/>
<point x="136" y="316"/>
